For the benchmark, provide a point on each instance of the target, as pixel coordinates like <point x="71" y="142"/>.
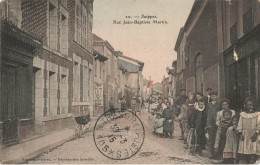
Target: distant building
<point x="99" y="80"/>
<point x="131" y="79"/>
<point x="110" y="88"/>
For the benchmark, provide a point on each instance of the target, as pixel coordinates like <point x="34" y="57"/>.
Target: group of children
<point x="164" y="118"/>
<point x="228" y="133"/>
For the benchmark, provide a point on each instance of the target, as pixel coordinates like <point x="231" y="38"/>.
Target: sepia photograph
<point x="129" y="81"/>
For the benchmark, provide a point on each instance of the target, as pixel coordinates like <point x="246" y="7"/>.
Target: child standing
<point x="168" y="124"/>
<point x="190" y="105"/>
<point x="158" y="126"/>
<point x="212" y="109"/>
<point x="249" y="130"/>
<point x="183" y="117"/>
<point x="198" y="122"/>
<point x="231" y="146"/>
<point x="223" y="122"/>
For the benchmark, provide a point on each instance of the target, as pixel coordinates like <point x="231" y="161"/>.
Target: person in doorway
<point x="168" y="124"/>
<point x="223" y="122"/>
<point x="198" y="122"/>
<point x="249" y="130"/>
<point x="212" y="109"/>
<point x="111" y="106"/>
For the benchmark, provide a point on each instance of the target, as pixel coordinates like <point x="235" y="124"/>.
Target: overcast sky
<point x="152" y="44"/>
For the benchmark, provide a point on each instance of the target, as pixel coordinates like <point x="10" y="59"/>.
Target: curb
<point x="38" y="152"/>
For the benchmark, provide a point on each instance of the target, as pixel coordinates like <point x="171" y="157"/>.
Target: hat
<point x="213" y="93"/>
<point x="209" y="89"/>
<point x="134" y="98"/>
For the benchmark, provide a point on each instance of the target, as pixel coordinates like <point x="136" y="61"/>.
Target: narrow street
<point x="154" y="150"/>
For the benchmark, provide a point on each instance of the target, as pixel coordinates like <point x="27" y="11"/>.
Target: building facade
<point x="99" y="80"/>
<point x="61" y="71"/>
<point x="230" y="65"/>
<point x="239" y="49"/>
<point x="110" y="88"/>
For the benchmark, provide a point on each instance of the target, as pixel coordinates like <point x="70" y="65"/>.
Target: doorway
<point x="9" y="103"/>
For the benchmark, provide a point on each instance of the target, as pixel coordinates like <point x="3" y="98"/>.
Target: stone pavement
<point x="154" y="150"/>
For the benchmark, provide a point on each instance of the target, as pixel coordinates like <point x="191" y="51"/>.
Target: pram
<point x="192" y="134"/>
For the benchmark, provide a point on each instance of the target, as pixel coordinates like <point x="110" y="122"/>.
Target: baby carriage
<point x="82" y="121"/>
<point x="192" y="140"/>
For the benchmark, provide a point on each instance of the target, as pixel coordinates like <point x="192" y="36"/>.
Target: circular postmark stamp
<point x="119" y="135"/>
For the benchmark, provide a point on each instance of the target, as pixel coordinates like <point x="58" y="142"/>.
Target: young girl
<point x="231" y="143"/>
<point x="223" y="122"/>
<point x="190" y="105"/>
<point x="198" y="122"/>
<point x="158" y="126"/>
<point x="249" y="129"/>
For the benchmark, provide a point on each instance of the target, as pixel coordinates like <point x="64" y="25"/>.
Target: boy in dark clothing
<point x="212" y="108"/>
<point x="198" y="122"/>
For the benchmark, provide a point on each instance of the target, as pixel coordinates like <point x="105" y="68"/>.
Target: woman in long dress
<point x="168" y="125"/>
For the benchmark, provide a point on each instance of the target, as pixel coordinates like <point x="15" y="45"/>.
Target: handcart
<point x="82" y="121"/>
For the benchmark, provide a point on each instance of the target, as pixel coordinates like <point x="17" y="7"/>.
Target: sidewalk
<point x="23" y="151"/>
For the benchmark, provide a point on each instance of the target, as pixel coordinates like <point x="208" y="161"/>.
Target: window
<point x="78" y="23"/>
<point x="199" y="73"/>
<point x="53" y="89"/>
<point x="53" y="27"/>
<point x="63" y="34"/>
<point x="86" y="84"/>
<point x="233" y="33"/>
<point x="81" y="33"/>
<point x="76" y="82"/>
<point x="248" y="21"/>
<point x="64" y="88"/>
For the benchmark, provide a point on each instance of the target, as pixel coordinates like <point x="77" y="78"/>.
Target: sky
<point x="151" y="43"/>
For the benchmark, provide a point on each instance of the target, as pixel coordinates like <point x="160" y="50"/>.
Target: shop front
<point x="242" y="73"/>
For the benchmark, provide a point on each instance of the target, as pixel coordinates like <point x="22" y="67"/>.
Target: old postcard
<point x="129" y="81"/>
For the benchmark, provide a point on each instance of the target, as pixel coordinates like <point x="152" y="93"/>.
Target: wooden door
<point x="9" y="103"/>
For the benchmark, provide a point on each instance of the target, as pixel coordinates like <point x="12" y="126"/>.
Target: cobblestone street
<point x="154" y="150"/>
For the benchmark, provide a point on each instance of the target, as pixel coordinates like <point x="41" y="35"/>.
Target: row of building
<point x="54" y="68"/>
<point x="219" y="47"/>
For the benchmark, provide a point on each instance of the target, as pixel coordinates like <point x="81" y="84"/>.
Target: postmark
<point x="119" y="135"/>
